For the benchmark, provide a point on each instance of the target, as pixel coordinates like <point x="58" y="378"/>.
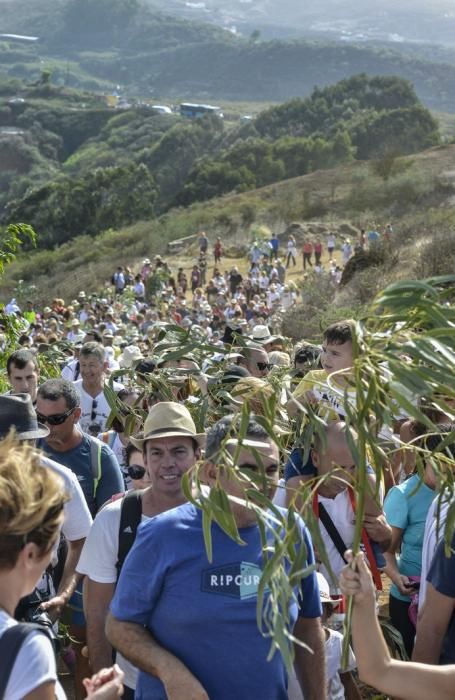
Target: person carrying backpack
<point x="96" y="468"/>
<point x="32" y="499"/>
<point x="170" y="446"/>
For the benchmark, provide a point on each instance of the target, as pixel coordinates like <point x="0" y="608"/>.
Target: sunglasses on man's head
<point x="56" y="418"/>
<point x="135" y="471"/>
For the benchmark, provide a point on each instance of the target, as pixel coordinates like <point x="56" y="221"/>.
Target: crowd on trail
<point x="118" y="400"/>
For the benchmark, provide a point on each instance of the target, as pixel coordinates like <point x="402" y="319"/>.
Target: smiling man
<point x="188" y="623"/>
<point x="171" y="446"/>
<point x="95" y="409"/>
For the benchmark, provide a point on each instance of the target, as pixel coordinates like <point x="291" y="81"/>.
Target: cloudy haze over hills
<point x="349" y="21"/>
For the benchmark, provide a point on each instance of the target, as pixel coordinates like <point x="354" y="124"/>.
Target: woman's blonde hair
<point x="31" y="501"/>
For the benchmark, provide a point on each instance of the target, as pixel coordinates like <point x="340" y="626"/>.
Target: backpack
<point x="11" y="642"/>
<point x="130" y="519"/>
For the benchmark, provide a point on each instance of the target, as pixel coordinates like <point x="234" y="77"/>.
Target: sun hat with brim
<point x="324" y="590"/>
<point x="261" y="334"/>
<point x="129" y="356"/>
<point x="167" y="419"/>
<point x="16" y="411"/>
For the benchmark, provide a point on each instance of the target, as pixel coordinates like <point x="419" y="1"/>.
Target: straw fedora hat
<point x="168" y="419"/>
<point x="16" y="411"/>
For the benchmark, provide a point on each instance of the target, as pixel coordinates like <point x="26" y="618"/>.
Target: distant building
<point x="193" y="111"/>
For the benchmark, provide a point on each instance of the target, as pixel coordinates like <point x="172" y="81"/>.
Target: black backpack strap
<point x="130" y="519"/>
<point x="10" y="645"/>
<point x="333" y="533"/>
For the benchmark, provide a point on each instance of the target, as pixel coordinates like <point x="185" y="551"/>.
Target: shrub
<point x="436" y="256"/>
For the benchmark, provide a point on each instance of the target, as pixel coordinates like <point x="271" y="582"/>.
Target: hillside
<point x="111" y="44"/>
<point x="81" y="168"/>
<point x="418" y="199"/>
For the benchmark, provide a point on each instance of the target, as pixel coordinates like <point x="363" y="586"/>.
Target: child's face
<point x="336" y="357"/>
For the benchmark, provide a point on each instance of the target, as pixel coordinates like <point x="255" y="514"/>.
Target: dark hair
<point x="228" y="427"/>
<point x="339" y="333"/>
<point x="129" y="449"/>
<point x="432" y="442"/>
<point x="55" y="389"/>
<point x="116" y="423"/>
<point x="19" y="358"/>
<point x="307" y="353"/>
<point x="97" y="337"/>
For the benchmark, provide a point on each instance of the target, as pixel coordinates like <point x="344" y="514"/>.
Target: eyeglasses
<point x="56" y="418"/>
<point x="94" y="407"/>
<point x="135" y="471"/>
<point x="263" y="365"/>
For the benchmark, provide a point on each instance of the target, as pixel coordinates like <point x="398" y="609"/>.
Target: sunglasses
<point x="263" y="365"/>
<point x="135" y="471"/>
<point x="94" y="407"/>
<point x="56" y="418"/>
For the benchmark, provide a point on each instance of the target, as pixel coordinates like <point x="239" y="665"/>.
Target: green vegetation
<point x="106" y="198"/>
<point x="420" y="212"/>
<point x="60" y="154"/>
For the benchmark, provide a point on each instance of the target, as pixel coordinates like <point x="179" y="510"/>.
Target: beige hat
<point x="168" y="419"/>
<point x="130" y="354"/>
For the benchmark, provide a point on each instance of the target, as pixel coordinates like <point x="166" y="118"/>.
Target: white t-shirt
<point x="333" y="652"/>
<point x="34" y="664"/>
<point x="69" y="370"/>
<point x="431" y="537"/>
<point x="77" y="518"/>
<point x="97" y="407"/>
<point x="98" y="561"/>
<point x="342" y="516"/>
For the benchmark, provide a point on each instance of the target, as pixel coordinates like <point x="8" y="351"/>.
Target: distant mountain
<point x="342" y="19"/>
<point x="101" y="44"/>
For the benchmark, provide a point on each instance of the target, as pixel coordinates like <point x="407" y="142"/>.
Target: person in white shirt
<point x="169" y="447"/>
<point x="31" y="515"/>
<point x="16" y="411"/>
<point x="95" y="408"/>
<point x="75" y="335"/>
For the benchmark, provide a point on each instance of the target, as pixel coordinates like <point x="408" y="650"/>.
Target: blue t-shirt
<point x="79" y="460"/>
<point x="406" y="507"/>
<point x="442" y="577"/>
<point x="205" y="612"/>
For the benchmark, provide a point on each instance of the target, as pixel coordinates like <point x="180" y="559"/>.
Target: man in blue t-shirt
<point x="189" y="623"/>
<point x="97" y="470"/>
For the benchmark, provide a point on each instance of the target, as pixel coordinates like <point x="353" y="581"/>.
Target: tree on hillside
<point x="106" y="198"/>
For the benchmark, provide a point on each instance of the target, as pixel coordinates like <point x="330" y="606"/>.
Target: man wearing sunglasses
<point x="90" y="387"/>
<point x="58" y="408"/>
<point x="256" y="360"/>
<point x="170" y="446"/>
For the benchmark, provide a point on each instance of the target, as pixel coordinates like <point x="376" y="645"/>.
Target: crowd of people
<point x="159" y="378"/>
